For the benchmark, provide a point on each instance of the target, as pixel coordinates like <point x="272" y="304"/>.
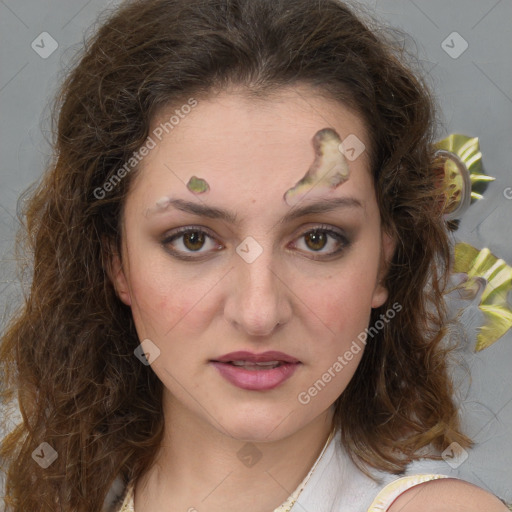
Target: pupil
<point x="317" y="239"/>
<point x="194" y="240"/>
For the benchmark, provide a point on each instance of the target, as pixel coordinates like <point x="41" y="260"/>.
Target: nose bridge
<point x="258" y="302"/>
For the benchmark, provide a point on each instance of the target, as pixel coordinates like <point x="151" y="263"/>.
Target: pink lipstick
<point x="257" y="372"/>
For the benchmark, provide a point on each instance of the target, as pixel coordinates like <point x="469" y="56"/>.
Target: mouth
<point x="257" y="372"/>
<point x="270" y="358"/>
<point x="248" y="365"/>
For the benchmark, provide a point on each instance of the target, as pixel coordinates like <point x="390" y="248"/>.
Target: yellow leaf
<point x="459" y="160"/>
<point x="494" y="300"/>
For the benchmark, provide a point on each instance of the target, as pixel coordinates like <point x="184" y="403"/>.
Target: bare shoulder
<point x="447" y="495"/>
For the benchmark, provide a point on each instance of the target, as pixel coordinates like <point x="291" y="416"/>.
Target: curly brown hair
<point x="68" y="355"/>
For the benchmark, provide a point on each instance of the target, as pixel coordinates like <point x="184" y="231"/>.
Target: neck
<point x="201" y="468"/>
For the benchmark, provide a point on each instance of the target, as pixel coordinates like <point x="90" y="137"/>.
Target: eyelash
<point x="339" y="237"/>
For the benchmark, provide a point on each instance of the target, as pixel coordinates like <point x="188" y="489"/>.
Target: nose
<point x="259" y="298"/>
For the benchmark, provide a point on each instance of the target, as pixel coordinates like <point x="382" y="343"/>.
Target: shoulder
<point x="447" y="495"/>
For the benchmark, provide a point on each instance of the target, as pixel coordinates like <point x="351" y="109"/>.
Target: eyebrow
<point x="323" y="206"/>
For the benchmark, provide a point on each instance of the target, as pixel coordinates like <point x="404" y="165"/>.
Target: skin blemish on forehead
<point x="163" y="203"/>
<point x="328" y="170"/>
<point x="197" y="185"/>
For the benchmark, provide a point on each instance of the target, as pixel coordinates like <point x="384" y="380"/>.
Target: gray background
<point x="474" y="91"/>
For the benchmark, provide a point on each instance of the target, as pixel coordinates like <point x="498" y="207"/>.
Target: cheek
<point x="165" y="300"/>
<point x="346" y="314"/>
<point x="343" y="300"/>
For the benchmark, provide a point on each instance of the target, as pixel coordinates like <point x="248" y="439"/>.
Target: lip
<point x="264" y="357"/>
<point x="256" y="380"/>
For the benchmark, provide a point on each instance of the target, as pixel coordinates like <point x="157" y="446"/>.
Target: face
<point x="247" y="298"/>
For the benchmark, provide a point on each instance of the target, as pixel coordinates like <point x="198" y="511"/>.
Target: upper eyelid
<point x="303" y="230"/>
<point x="185" y="229"/>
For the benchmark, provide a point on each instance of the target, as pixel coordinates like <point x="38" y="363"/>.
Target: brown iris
<point x="193" y="240"/>
<point x="316" y="240"/>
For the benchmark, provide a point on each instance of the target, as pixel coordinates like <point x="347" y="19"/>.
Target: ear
<point x="388" y="245"/>
<point x="117" y="276"/>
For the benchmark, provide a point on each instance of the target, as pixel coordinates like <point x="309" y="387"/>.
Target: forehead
<point x="240" y="144"/>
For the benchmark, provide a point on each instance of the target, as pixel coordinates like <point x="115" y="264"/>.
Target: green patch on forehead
<point x="197" y="185"/>
<point x="327" y="172"/>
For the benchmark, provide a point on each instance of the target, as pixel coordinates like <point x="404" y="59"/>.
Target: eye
<point x="190" y="239"/>
<point x="320" y="238"/>
<point x="187" y="243"/>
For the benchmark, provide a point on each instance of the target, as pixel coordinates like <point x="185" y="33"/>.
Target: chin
<point x="261" y="426"/>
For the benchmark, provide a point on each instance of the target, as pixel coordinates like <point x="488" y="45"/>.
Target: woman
<point x="239" y="261"/>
